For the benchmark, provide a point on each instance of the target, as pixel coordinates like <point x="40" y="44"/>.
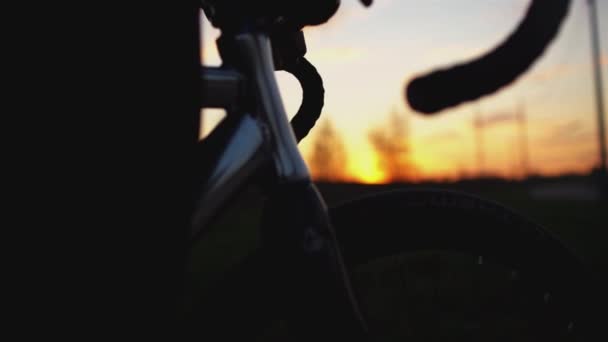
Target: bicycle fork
<point x="305" y="263"/>
<point x="310" y="279"/>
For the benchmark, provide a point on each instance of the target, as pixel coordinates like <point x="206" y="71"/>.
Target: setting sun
<point x="365" y="169"/>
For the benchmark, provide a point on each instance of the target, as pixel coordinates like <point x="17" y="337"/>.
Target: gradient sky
<point x="366" y="56"/>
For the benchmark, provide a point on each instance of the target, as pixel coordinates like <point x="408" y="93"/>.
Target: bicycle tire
<point x="442" y="221"/>
<point x="386" y="225"/>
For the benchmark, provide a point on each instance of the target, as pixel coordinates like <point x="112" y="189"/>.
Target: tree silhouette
<point x="328" y="159"/>
<point x="391" y="145"/>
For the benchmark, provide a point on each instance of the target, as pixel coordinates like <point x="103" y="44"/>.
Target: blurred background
<point x="534" y="146"/>
<point x="544" y="124"/>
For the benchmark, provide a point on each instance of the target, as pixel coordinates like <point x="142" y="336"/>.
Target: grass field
<point x="569" y="208"/>
<point x="579" y="219"/>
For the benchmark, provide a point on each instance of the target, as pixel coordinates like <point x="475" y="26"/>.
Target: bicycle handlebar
<point x="471" y="80"/>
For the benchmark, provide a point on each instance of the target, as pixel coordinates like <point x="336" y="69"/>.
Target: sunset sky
<point x="366" y="57"/>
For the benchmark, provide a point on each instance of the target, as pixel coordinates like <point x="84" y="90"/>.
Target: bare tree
<point x="328" y="159"/>
<point x="391" y="145"/>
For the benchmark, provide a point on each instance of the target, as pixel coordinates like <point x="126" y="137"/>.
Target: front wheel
<point x="429" y="266"/>
<point x="439" y="265"/>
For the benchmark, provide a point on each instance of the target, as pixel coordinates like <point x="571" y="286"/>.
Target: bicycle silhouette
<point x="417" y="264"/>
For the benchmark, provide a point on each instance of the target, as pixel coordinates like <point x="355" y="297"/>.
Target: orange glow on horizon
<point x="367" y="172"/>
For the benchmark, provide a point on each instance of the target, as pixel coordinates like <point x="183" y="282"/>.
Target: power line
<point x="595" y="45"/>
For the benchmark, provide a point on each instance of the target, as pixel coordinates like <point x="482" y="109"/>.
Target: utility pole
<point x="523" y="140"/>
<point x="595" y="43"/>
<point x="478" y="126"/>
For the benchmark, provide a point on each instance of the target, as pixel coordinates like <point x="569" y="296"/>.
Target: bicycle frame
<point x="260" y="135"/>
<point x="298" y="240"/>
<point x="296" y="229"/>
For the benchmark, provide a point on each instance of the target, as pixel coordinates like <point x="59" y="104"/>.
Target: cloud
<point x="557" y="71"/>
<point x="572" y="131"/>
<point x="441" y="137"/>
<point x="553" y="72"/>
<point x="454" y="53"/>
<point x="336" y="55"/>
<point x="496" y="119"/>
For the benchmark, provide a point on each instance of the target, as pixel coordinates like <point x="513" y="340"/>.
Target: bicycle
<point x="328" y="258"/>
